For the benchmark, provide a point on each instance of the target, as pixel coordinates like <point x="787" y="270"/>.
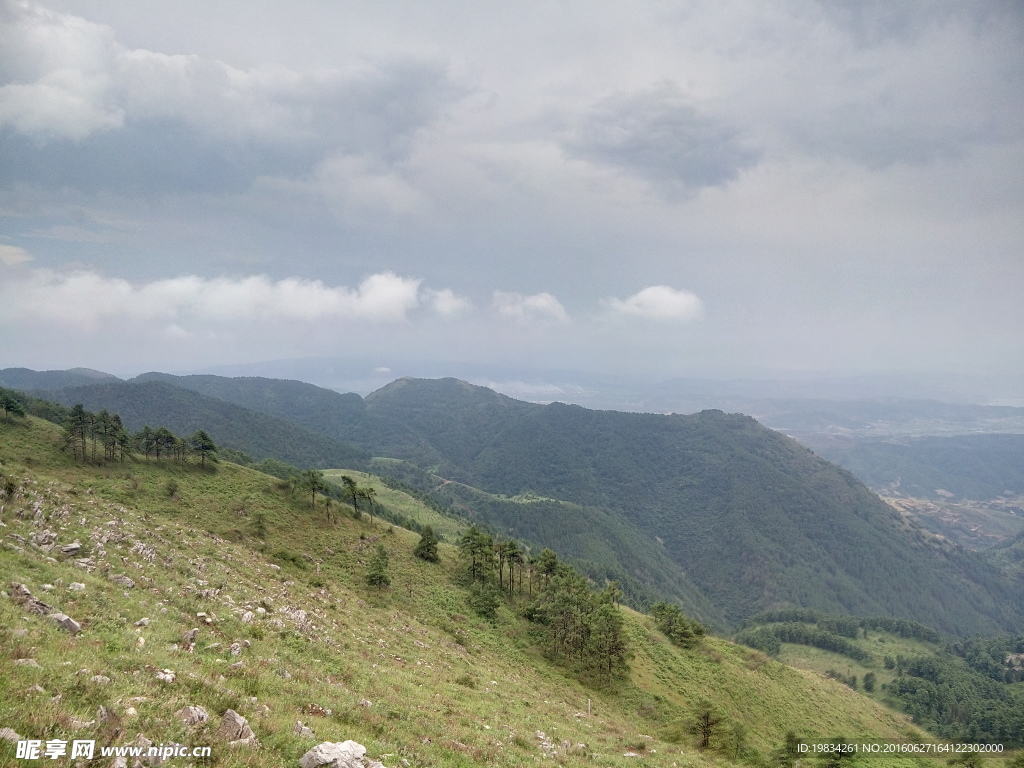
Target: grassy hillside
<point x="970" y="689"/>
<point x="288" y="630"/>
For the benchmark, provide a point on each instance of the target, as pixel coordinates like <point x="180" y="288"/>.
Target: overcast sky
<point x="666" y="189"/>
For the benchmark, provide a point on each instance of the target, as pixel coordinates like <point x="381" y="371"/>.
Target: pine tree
<point x="203" y="445"/>
<point x="377" y="573"/>
<point x="426" y="548"/>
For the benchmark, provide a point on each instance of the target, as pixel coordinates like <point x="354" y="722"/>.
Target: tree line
<point x="101" y="437"/>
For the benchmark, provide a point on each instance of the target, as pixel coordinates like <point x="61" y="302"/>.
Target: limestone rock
<point x="99" y="679"/>
<point x="72" y="549"/>
<point x="166" y="676"/>
<point x="345" y="754"/>
<point x="192" y="715"/>
<point x="303" y="730"/>
<point x="66" y="623"/>
<point x="23" y="597"/>
<point x="235" y="730"/>
<point x="8" y="734"/>
<point x="76" y="586"/>
<point x="123" y="580"/>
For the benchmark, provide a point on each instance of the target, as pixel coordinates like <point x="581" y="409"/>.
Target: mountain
<point x="158" y="403"/>
<point x="753" y="518"/>
<point x="750" y="517"/>
<point x="287" y="628"/>
<point x="25" y="379"/>
<point x="979" y="467"/>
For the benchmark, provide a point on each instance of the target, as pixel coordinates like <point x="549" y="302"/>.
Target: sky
<point x="668" y="189"/>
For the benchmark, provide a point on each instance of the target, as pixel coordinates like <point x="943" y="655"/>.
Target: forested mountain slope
<point x="753" y="518"/>
<point x="261" y="436"/>
<point x="749" y="516"/>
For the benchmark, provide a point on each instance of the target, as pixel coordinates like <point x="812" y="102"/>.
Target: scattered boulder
<point x="44" y="539"/>
<point x="166" y="676"/>
<point x="99" y="679"/>
<point x="72" y="549"/>
<point x="236" y="649"/>
<point x="27" y="663"/>
<point x="123" y="580"/>
<point x="8" y="734"/>
<point x="303" y="730"/>
<point x="66" y="623"/>
<point x="235" y="730"/>
<point x="192" y="715"/>
<point x="143" y="622"/>
<point x="329" y="754"/>
<point x="248" y="617"/>
<point x="188" y="639"/>
<point x="21" y="595"/>
<point x="76" y="586"/>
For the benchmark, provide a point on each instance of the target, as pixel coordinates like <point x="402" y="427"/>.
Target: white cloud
<point x="533" y="308"/>
<point x="447" y="303"/>
<point x="12" y="255"/>
<point x="84" y="299"/>
<point x="659" y="302"/>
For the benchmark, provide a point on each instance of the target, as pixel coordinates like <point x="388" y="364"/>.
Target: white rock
<point x="192" y="715"/>
<point x="235" y="730"/>
<point x="143" y="622"/>
<point x="166" y="676"/>
<point x="76" y="586"/>
<point x="303" y="730"/>
<point x="345" y="754"/>
<point x="8" y="734"/>
<point x="99" y="679"/>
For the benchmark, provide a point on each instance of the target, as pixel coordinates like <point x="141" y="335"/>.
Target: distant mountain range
<point x="712" y="508"/>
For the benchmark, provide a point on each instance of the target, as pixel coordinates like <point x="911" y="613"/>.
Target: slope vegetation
<point x="288" y="630"/>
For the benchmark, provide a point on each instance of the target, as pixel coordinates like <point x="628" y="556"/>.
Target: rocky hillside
<point x="199" y="599"/>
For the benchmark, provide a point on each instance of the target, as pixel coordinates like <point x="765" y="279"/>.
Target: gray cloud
<point x="658" y="135"/>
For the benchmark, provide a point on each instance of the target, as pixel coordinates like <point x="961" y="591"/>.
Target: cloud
<point x="659" y="135"/>
<point x="659" y="302"/>
<point x="538" y="307"/>
<point x="80" y="110"/>
<point x="12" y="255"/>
<point x="446" y="303"/>
<point x="84" y="299"/>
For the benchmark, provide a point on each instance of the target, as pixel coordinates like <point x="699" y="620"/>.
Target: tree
<point x="369" y="493"/>
<point x="163" y="441"/>
<point x="478" y="548"/>
<point x="426" y="547"/>
<point x="352" y="490"/>
<point x="10" y="405"/>
<point x="869" y="681"/>
<point x="203" y="445"/>
<point x="314" y="483"/>
<point x="705" y="723"/>
<point x="607" y="646"/>
<point x="377" y="573"/>
<point x="76" y="429"/>
<point x="145" y="439"/>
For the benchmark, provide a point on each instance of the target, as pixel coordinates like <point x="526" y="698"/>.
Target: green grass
<point x="446" y="689"/>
